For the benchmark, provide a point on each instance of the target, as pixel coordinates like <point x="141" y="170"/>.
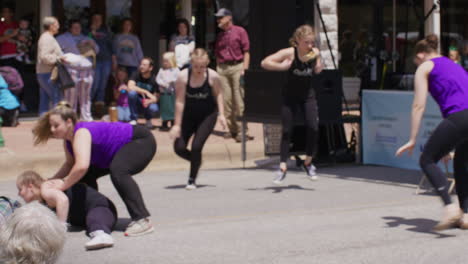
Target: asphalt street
<point x="352" y="214"/>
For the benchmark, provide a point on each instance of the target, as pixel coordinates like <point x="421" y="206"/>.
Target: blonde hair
<point x="48" y="21"/>
<point x="30" y="177"/>
<point x="41" y="131"/>
<point x="301" y="32"/>
<point x="33" y="235"/>
<point x="200" y="53"/>
<point x="427" y="45"/>
<point x="170" y="56"/>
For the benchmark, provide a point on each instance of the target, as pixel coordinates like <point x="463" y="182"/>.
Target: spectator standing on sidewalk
<point x="48" y="54"/>
<point x="127" y="48"/>
<point x="166" y="79"/>
<point x="70" y="42"/>
<point x="95" y="149"/>
<point x="103" y="37"/>
<point x="199" y="103"/>
<point x="182" y="43"/>
<point x="143" y="92"/>
<point x="8" y="33"/>
<point x="233" y="58"/>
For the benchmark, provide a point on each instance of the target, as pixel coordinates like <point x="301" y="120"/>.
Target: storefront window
<point x="77" y="9"/>
<point x="379" y="45"/>
<point x="116" y="10"/>
<point x="454" y="40"/>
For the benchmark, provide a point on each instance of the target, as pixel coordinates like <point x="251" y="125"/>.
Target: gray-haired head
<point x="33" y="234"/>
<point x="48" y="21"/>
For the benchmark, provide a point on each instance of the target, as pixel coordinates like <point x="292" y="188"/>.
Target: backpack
<point x="7" y="207"/>
<point x="13" y="79"/>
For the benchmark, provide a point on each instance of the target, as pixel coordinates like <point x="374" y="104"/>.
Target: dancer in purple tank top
<point x="95" y="149"/>
<point x="447" y="82"/>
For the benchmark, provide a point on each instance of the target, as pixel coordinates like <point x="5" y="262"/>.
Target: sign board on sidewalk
<point x="386" y="124"/>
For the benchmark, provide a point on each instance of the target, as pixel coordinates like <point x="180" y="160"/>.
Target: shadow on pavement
<point x="419" y="225"/>
<point x="122" y="224"/>
<point x="182" y="186"/>
<point x="278" y="189"/>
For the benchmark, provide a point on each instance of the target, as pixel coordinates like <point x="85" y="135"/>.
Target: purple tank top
<point x="106" y="140"/>
<point x="448" y="84"/>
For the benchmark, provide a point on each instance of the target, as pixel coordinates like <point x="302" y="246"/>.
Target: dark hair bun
<point x="432" y="41"/>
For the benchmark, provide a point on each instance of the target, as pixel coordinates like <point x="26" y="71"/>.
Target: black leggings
<point x="131" y="159"/>
<point x="451" y="133"/>
<point x="289" y="110"/>
<point x="202" y="128"/>
<point x="90" y="209"/>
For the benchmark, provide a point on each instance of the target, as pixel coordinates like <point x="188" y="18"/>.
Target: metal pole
<point x="394" y="37"/>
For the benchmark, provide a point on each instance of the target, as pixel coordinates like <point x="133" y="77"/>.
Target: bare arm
<point x="421" y="88"/>
<point x="133" y="87"/>
<point x="319" y="66"/>
<point x="67" y="165"/>
<point x="421" y="85"/>
<point x="180" y="87"/>
<point x="246" y="60"/>
<point x="56" y="199"/>
<point x="218" y="93"/>
<point x="7" y="37"/>
<point x="82" y="151"/>
<point x="279" y="61"/>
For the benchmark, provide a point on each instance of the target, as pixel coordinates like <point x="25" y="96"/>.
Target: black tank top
<point x="299" y="80"/>
<point x="199" y="100"/>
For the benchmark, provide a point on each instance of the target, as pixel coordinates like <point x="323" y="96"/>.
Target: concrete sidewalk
<point x="19" y="154"/>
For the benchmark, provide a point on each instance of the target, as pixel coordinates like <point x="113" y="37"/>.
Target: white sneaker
<point x="99" y="239"/>
<point x="133" y="122"/>
<point x="279" y="177"/>
<point x="140" y="227"/>
<point x="191" y="186"/>
<point x="311" y="172"/>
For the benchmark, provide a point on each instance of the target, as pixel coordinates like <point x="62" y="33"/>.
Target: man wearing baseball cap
<point x="233" y="58"/>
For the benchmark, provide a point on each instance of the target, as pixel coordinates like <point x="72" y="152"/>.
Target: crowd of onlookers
<point x="80" y="64"/>
<point x="93" y="68"/>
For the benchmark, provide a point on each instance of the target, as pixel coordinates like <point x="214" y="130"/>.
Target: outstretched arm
<point x="279" y="61"/>
<point x="67" y="165"/>
<point x="421" y="88"/>
<point x="82" y="152"/>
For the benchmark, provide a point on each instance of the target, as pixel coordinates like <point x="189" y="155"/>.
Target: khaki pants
<point x="233" y="95"/>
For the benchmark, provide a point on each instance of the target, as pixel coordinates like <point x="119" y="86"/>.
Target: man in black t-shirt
<point x="144" y="92"/>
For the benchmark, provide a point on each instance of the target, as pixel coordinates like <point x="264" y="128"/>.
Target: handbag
<point x="64" y="78"/>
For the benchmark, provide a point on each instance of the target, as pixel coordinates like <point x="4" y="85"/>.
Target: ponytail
<point x="41" y="131"/>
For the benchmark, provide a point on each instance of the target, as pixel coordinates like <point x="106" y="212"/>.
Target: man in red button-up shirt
<point x="233" y="58"/>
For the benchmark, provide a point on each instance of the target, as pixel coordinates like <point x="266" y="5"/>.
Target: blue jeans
<point x="101" y="76"/>
<point x="134" y="102"/>
<point x="123" y="113"/>
<point x="48" y="92"/>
